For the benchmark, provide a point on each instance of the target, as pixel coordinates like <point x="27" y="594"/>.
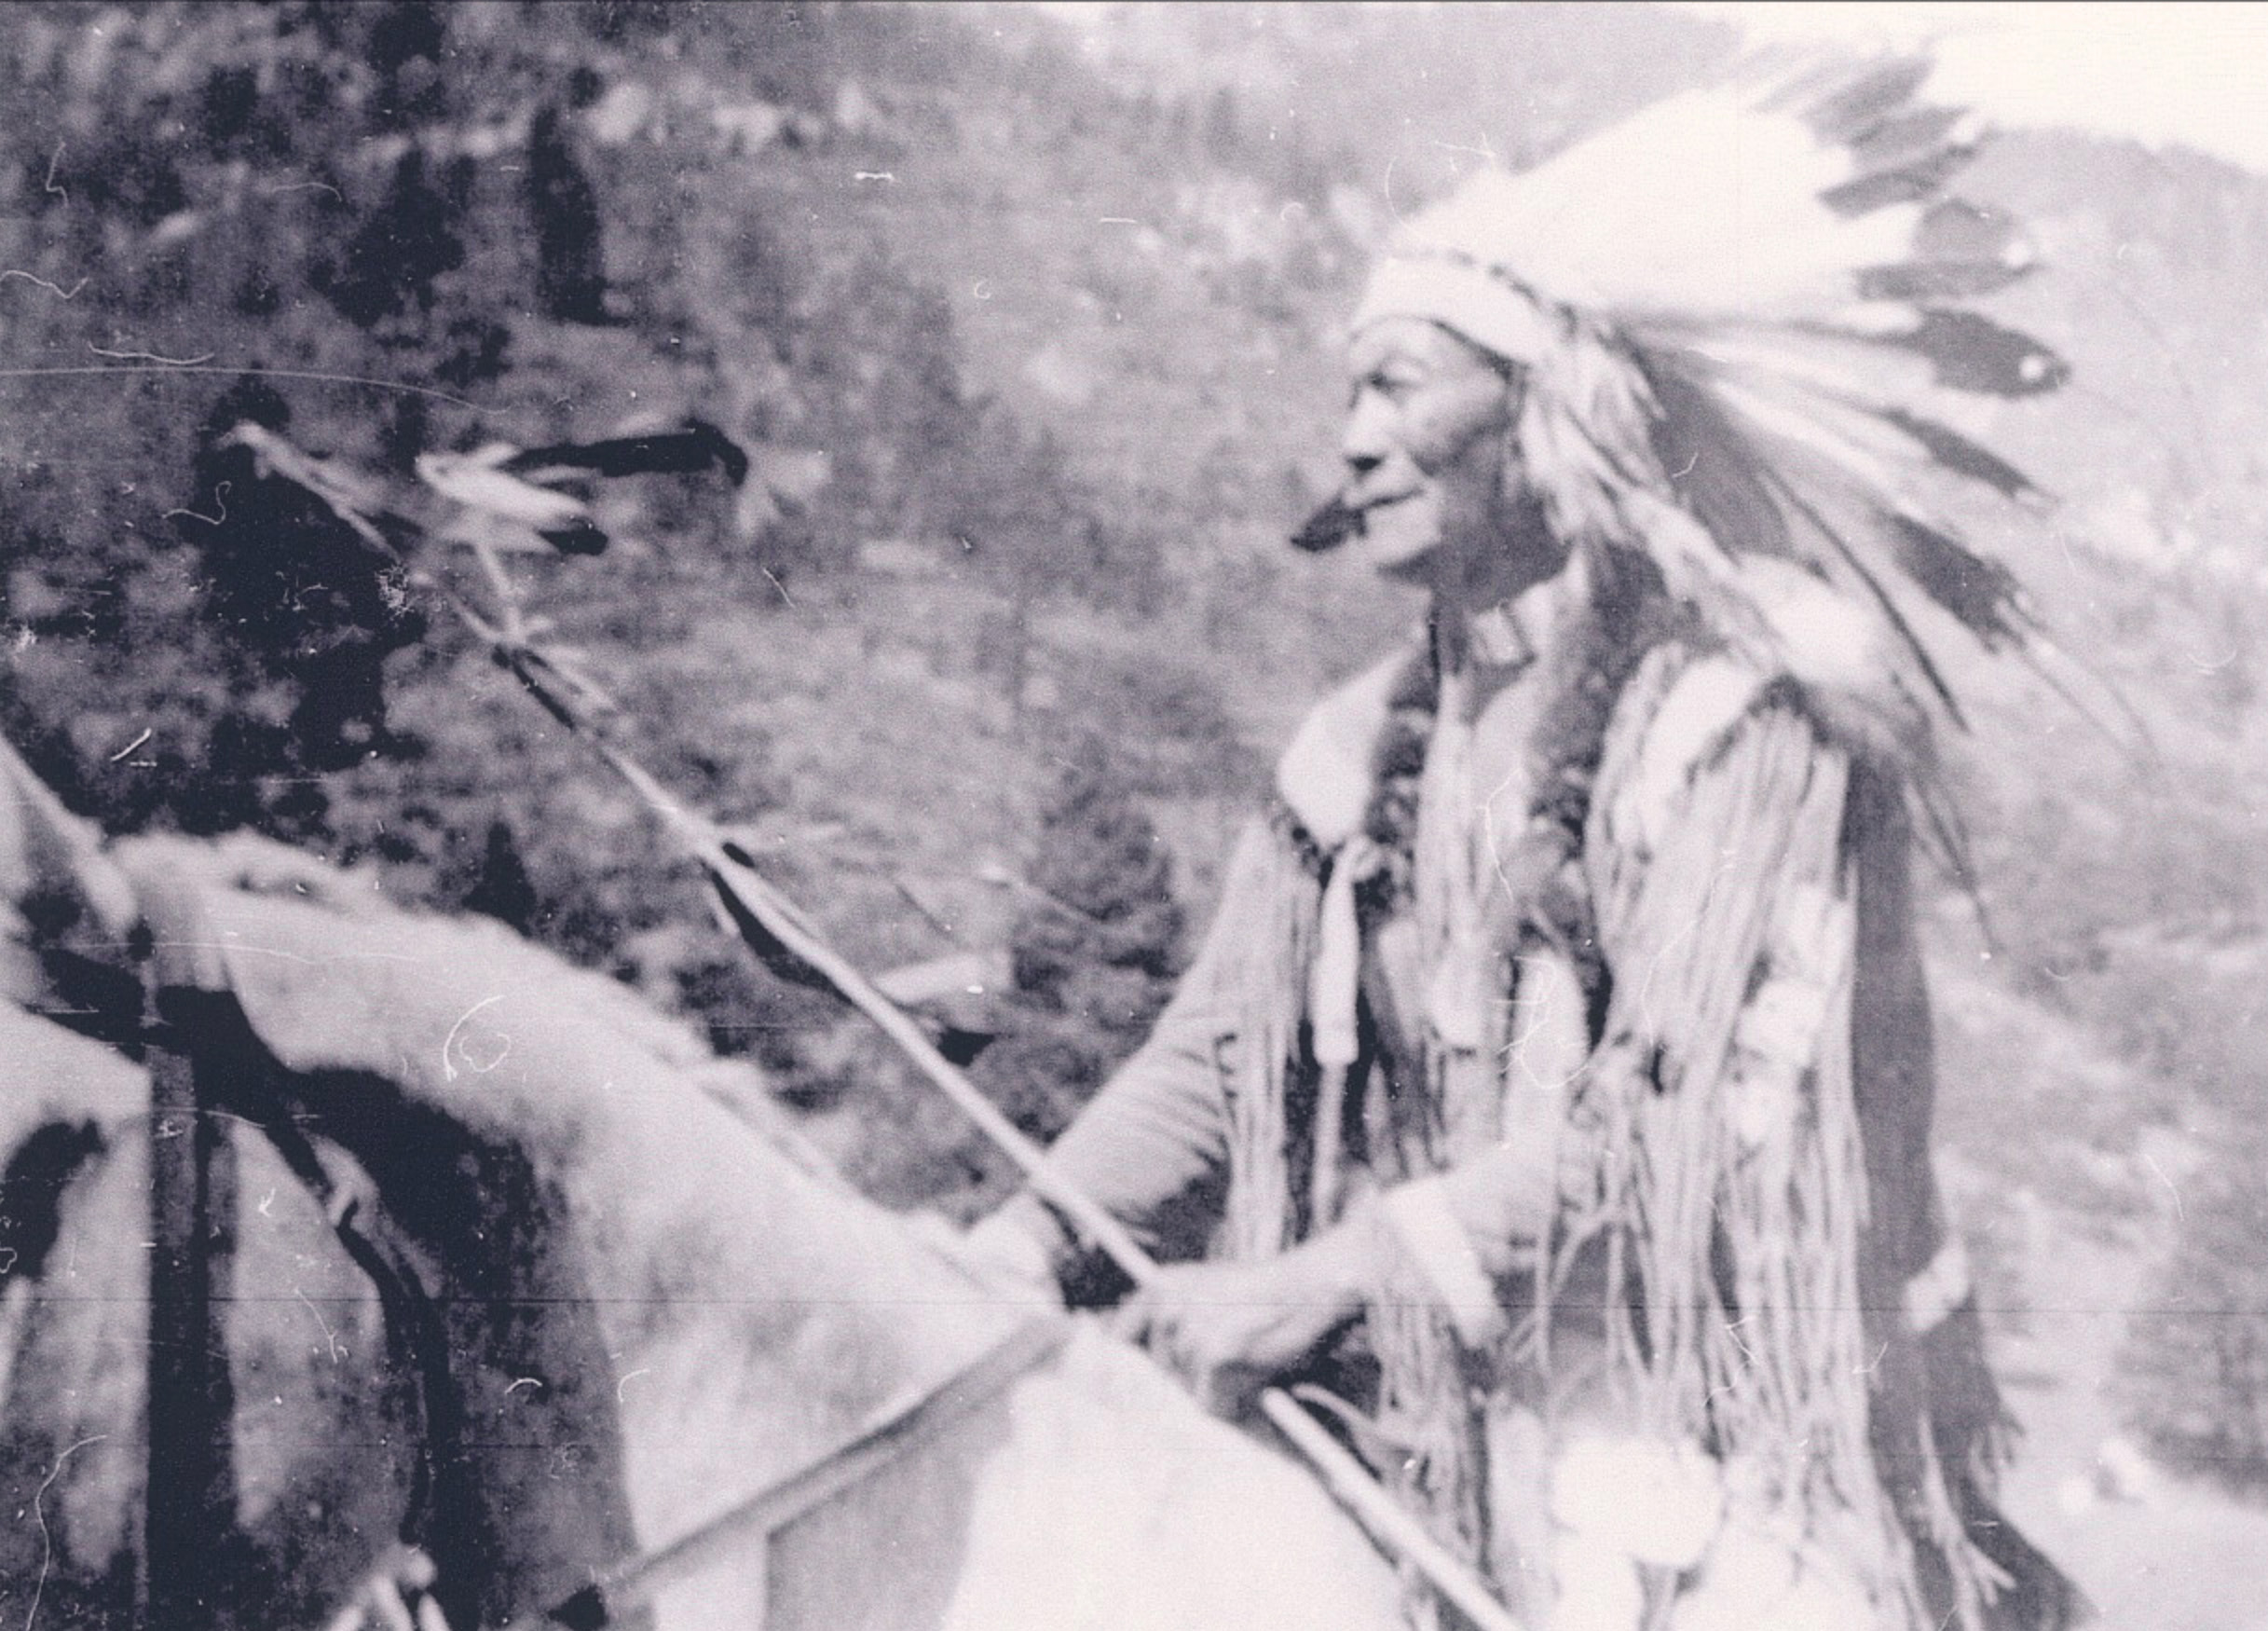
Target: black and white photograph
<point x="885" y="815"/>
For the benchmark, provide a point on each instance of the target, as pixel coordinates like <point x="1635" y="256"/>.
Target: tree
<point x="570" y="279"/>
<point x="1007" y="501"/>
<point x="392" y="261"/>
<point x="1093" y="954"/>
<point x="304" y="600"/>
<point x="500" y="887"/>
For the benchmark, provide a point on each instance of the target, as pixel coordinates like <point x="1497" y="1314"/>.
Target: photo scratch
<point x="451" y="1047"/>
<point x="55" y="289"/>
<point x="39" y="1515"/>
<point x="331" y="1336"/>
<point x="151" y="357"/>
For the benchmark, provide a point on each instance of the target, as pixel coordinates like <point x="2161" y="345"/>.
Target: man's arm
<point x="1152" y="1147"/>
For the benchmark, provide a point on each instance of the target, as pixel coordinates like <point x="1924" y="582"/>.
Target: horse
<point x="520" y="1272"/>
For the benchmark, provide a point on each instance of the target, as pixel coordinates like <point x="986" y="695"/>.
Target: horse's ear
<point x="48" y="853"/>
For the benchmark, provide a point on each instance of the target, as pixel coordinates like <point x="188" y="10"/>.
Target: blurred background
<point x="1029" y="318"/>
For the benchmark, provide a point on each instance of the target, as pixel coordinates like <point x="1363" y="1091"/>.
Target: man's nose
<point x="1365" y="443"/>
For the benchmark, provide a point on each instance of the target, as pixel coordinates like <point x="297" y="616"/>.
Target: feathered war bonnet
<point x="1739" y="316"/>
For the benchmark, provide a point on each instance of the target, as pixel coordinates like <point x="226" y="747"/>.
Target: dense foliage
<point x="2197" y="1364"/>
<point x="1094" y="950"/>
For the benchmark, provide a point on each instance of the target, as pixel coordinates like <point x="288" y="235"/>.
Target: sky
<point x="2190" y="72"/>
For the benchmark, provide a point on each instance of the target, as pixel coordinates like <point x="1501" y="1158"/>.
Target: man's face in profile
<point x="1424" y="446"/>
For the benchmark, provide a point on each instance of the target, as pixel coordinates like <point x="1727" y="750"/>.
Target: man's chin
<point x="1399" y="541"/>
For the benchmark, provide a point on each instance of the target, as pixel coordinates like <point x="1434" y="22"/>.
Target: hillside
<point x="1031" y="319"/>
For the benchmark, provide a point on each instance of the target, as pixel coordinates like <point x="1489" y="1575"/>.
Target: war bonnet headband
<point x="1484" y="304"/>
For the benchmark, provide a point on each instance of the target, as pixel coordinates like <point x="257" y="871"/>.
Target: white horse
<point x="636" y="1306"/>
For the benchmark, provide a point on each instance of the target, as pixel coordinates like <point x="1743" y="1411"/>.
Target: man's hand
<point x="1232" y="1328"/>
<point x="1010" y="1254"/>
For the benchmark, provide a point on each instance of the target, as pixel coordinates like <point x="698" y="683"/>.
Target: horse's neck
<point x="750" y="1315"/>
